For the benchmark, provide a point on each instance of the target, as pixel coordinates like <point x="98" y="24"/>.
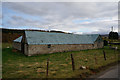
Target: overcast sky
<point x="76" y="17"/>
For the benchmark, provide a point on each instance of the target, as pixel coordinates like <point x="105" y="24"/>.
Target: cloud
<point x="79" y="17"/>
<point x="80" y="9"/>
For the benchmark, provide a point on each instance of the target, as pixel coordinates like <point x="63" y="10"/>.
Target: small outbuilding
<point x="17" y="43"/>
<point x="35" y="42"/>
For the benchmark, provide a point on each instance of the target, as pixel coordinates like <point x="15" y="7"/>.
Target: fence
<point x="82" y="67"/>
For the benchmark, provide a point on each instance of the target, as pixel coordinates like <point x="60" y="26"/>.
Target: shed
<point x="17" y="43"/>
<point x="35" y="42"/>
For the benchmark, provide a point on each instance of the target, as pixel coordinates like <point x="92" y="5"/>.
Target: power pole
<point x="112" y="28"/>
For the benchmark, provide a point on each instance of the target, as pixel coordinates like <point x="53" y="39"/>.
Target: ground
<point x="17" y="65"/>
<point x="111" y="72"/>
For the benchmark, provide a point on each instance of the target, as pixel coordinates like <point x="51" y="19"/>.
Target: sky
<point x="75" y="17"/>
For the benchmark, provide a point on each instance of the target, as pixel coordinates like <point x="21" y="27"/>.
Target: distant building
<point x="34" y="42"/>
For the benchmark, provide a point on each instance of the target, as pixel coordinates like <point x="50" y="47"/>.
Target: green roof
<point x="35" y="37"/>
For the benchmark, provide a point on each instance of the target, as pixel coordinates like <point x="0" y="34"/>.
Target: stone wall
<point x="47" y="49"/>
<point x="16" y="45"/>
<point x="98" y="45"/>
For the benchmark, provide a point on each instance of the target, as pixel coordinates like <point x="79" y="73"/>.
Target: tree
<point x="113" y="35"/>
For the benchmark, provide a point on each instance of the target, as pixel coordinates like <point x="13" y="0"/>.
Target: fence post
<point x="47" y="67"/>
<point x="115" y="52"/>
<point x="104" y="55"/>
<point x="73" y="65"/>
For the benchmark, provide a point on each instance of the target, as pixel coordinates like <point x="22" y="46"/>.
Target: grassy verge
<point x="17" y="65"/>
<point x="6" y="45"/>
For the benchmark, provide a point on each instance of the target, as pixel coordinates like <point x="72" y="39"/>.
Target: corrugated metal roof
<point x="35" y="37"/>
<point x="18" y="39"/>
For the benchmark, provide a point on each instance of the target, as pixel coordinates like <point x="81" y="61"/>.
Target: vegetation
<point x="113" y="35"/>
<point x="11" y="34"/>
<point x="17" y="65"/>
<point x="112" y="40"/>
<point x="6" y="45"/>
<point x="105" y="42"/>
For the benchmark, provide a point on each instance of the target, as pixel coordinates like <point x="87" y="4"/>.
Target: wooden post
<point x="47" y="67"/>
<point x="95" y="59"/>
<point x="114" y="52"/>
<point x="72" y="59"/>
<point x="104" y="55"/>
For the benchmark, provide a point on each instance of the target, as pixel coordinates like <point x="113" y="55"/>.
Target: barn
<point x="35" y="42"/>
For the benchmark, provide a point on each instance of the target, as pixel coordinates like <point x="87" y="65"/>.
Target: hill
<point x="8" y="35"/>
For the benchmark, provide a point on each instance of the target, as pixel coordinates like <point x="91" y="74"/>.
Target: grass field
<point x="112" y="40"/>
<point x="17" y="65"/>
